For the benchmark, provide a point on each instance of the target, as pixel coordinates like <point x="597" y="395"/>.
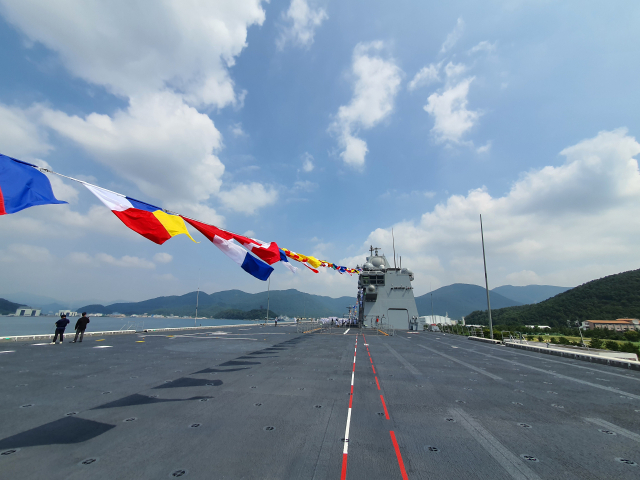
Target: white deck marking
<point x="8" y="351"/>
<point x="346" y="331"/>
<point x="514" y="351"/>
<point x="404" y="361"/>
<point x="557" y="375"/>
<point x="619" y="430"/>
<point x="345" y="449"/>
<point x="104" y="346"/>
<point x="476" y="369"/>
<point x="511" y="463"/>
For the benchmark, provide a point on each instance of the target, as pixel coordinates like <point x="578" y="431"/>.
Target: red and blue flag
<point x="22" y="186"/>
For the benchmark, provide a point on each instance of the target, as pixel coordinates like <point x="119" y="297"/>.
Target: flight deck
<point x="265" y="402"/>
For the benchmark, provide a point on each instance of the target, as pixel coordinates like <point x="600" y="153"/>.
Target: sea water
<point x="13" y="326"/>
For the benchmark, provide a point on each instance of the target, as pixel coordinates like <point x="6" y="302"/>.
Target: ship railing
<point x="386" y="330"/>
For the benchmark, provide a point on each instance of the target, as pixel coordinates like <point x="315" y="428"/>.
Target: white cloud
<point x="162" y="257"/>
<point x="302" y="21"/>
<point x="453" y="36"/>
<point x="247" y="198"/>
<point x="164" y="146"/>
<point x="166" y="59"/>
<point x="484" y="148"/>
<point x="166" y="277"/>
<point x="523" y="278"/>
<point x="132" y="48"/>
<point x="126" y="261"/>
<point x="454" y="69"/>
<point x="237" y="131"/>
<point x="484" y="46"/>
<point x="305" y="186"/>
<point x="83" y="259"/>
<point x="559" y="225"/>
<point x="20" y="136"/>
<point x="426" y="76"/>
<point x="24" y="253"/>
<point x="307" y="162"/>
<point x="376" y="83"/>
<point x="450" y="113"/>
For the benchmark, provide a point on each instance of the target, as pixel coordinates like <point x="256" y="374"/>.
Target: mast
<point x="486" y="282"/>
<point x="431" y="306"/>
<point x="394" y="249"/>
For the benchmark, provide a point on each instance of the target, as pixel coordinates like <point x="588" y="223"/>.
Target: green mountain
<point x="7" y="307"/>
<point x="460" y="299"/>
<point x="530" y="293"/>
<point x="285" y="302"/>
<point x="234" y="314"/>
<point x="615" y="296"/>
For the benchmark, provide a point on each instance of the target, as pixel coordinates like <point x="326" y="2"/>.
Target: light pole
<point x="486" y="282"/>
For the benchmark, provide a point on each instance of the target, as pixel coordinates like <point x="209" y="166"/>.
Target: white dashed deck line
<point x="508" y="460"/>
<point x="615" y="428"/>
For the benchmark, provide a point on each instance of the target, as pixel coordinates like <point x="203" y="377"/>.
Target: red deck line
<point x="373" y="368"/>
<point x="343" y="475"/>
<point x="400" y="462"/>
<point x="377" y="383"/>
<point x="386" y="412"/>
<point x="345" y="450"/>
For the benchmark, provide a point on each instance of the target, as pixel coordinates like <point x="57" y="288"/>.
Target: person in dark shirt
<point x="60" y="326"/>
<point x="81" y="326"/>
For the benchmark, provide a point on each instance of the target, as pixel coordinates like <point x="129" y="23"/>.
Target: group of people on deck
<point x="81" y="326"/>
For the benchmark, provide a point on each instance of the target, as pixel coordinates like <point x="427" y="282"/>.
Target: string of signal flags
<point x="24" y="185"/>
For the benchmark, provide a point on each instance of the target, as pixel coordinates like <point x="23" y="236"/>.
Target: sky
<point x="322" y="126"/>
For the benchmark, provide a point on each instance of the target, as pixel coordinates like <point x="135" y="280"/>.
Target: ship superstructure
<point x="385" y="295"/>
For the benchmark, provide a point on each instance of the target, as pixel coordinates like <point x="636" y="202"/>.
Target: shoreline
<point x="18" y="338"/>
<point x="34" y="326"/>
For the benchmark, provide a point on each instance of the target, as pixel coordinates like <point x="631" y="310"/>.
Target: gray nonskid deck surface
<point x="155" y="406"/>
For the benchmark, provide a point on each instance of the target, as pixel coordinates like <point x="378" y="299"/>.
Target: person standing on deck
<point x="81" y="326"/>
<point x="60" y="326"/>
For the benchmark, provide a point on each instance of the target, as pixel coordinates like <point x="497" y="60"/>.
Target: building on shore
<point x="68" y="313"/>
<point x="27" y="312"/>
<point x="439" y="320"/>
<point x="619" y="325"/>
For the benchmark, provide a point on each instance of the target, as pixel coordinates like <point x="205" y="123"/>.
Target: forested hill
<point x="608" y="298"/>
<point x="285" y="302"/>
<point x="7" y="307"/>
<point x="458" y="300"/>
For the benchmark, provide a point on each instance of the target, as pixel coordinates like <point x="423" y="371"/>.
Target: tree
<point x="632" y="336"/>
<point x="612" y="345"/>
<point x="629" y="348"/>
<point x="596" y="343"/>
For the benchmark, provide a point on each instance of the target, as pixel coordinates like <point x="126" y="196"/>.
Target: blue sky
<point x="321" y="125"/>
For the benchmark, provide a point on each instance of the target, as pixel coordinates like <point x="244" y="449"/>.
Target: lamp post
<point x="486" y="282"/>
